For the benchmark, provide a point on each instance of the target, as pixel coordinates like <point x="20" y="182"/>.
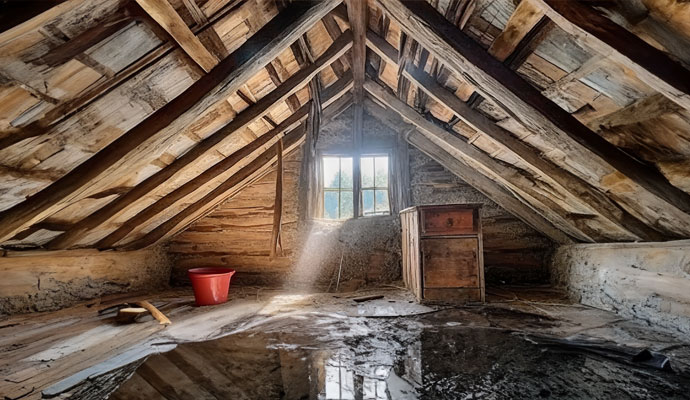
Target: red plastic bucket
<point x="211" y="284"/>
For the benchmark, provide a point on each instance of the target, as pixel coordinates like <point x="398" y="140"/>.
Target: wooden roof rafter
<point x="254" y="170"/>
<point x="650" y="189"/>
<point x="571" y="183"/>
<point x="331" y="94"/>
<point x="607" y="38"/>
<point x="174" y="116"/>
<point x="241" y="121"/>
<point x="494" y="191"/>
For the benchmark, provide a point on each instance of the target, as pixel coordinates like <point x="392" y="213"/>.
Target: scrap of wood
<point x="162" y="319"/>
<point x="367" y="298"/>
<point x="129" y="314"/>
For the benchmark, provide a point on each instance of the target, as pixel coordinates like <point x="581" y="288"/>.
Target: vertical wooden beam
<point x="357" y="14"/>
<point x="278" y="204"/>
<point x="357" y="122"/>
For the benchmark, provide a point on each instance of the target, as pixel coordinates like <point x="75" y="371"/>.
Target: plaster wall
<point x="648" y="281"/>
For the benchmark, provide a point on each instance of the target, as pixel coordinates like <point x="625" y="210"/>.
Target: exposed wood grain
<point x="172" y="118"/>
<point x="357" y="14"/>
<point x="489" y="188"/>
<point x="84" y="41"/>
<point x="215" y="195"/>
<point x="197" y="15"/>
<point x="642" y="110"/>
<point x="649" y="189"/>
<point x="570" y="182"/>
<point x="507" y="175"/>
<point x="242" y="120"/>
<point x="525" y="17"/>
<point x="163" y="13"/>
<point x="278" y="204"/>
<point x="604" y="36"/>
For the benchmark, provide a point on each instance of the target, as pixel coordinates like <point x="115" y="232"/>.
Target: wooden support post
<point x="278" y="204"/>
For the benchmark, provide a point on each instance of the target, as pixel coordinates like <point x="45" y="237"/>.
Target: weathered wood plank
<point x="489" y="188"/>
<point x="278" y="204"/>
<point x="357" y="14"/>
<point x="642" y="110"/>
<point x="525" y="17"/>
<point x="175" y="116"/>
<point x="569" y="182"/>
<point x="605" y="37"/>
<point x="84" y="41"/>
<point x="291" y="139"/>
<point x="647" y="193"/>
<point x="330" y="112"/>
<point x="257" y="110"/>
<point x="507" y="175"/>
<point x="163" y="13"/>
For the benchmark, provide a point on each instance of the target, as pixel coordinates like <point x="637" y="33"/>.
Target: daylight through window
<point x="374" y="171"/>
<point x="338" y="202"/>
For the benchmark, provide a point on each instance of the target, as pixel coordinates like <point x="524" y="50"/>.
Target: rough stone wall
<point x="514" y="253"/>
<point x="45" y="281"/>
<point x="649" y="281"/>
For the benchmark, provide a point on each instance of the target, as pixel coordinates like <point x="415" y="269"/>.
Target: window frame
<point x="374" y="154"/>
<point x="323" y="189"/>
<point x="356" y="197"/>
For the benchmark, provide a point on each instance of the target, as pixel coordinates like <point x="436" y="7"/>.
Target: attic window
<point x="338" y="191"/>
<point x="338" y="201"/>
<point x="374" y="172"/>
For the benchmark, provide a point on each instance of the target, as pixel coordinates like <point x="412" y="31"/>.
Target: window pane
<point x="367" y="171"/>
<point x="367" y="202"/>
<point x="381" y="164"/>
<point x="346" y="205"/>
<point x="382" y="202"/>
<point x="331" y="167"/>
<point x="330" y="205"/>
<point x="346" y="172"/>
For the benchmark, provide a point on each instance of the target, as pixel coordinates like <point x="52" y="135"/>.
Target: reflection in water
<point x="397" y="360"/>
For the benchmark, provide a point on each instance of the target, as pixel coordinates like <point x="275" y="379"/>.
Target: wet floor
<point x="448" y="354"/>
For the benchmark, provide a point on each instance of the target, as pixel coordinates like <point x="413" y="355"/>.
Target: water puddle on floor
<point x="429" y="357"/>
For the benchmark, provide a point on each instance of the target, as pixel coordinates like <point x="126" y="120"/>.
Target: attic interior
<point x="419" y="198"/>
